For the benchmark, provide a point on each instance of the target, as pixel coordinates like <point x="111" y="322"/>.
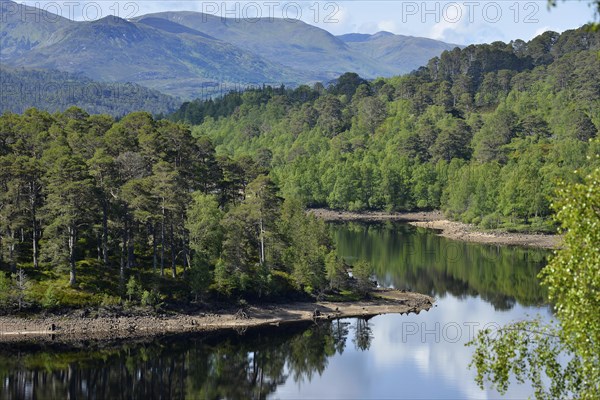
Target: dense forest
<point x="126" y="203"/>
<point x="53" y="91"/>
<point x="483" y="133"/>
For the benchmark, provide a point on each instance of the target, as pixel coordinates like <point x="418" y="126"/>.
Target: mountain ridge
<point x="191" y="54"/>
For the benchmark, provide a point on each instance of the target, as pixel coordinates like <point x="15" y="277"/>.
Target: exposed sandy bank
<point x="468" y="233"/>
<point x="77" y="327"/>
<point x="333" y="215"/>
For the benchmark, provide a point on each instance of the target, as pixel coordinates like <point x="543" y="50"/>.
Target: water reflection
<point x="417" y="259"/>
<point x="223" y="365"/>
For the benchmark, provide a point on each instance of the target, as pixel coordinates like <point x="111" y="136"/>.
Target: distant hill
<point x="191" y="54"/>
<point x="186" y="63"/>
<point x="53" y="91"/>
<point x="295" y="45"/>
<point x="401" y="53"/>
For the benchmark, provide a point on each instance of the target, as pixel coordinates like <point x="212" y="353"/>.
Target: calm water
<point x="390" y="356"/>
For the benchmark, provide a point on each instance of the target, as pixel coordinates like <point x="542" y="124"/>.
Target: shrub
<point x="133" y="289"/>
<point x="5" y="289"/>
<point x="50" y="299"/>
<point x="108" y="301"/>
<point x="151" y="298"/>
<point x="490" y="221"/>
<point x="362" y="272"/>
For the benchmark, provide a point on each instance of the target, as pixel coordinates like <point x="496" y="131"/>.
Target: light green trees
<point x="362" y="271"/>
<point x="567" y="354"/>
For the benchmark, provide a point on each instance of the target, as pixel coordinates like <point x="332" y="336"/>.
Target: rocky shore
<point x="94" y="325"/>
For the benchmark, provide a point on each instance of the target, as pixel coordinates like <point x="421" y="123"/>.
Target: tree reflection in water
<point x="418" y="259"/>
<point x="207" y="366"/>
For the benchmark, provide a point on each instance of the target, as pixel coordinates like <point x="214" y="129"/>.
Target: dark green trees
<point x="69" y="205"/>
<point x="145" y="195"/>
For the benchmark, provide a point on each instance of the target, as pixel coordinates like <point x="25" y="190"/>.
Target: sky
<point x="458" y="22"/>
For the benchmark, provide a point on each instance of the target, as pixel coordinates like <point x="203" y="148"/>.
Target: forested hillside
<point x="484" y="133"/>
<point x="53" y="91"/>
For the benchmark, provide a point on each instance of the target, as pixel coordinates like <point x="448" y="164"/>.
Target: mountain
<point x="190" y="54"/>
<point x="402" y="53"/>
<point x="53" y="91"/>
<point x="293" y="44"/>
<point x="23" y="28"/>
<point x="183" y="62"/>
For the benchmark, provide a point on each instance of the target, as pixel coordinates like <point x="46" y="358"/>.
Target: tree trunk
<point x="154" y="245"/>
<point x="11" y="252"/>
<point x="72" y="239"/>
<point x="123" y="253"/>
<point x="185" y="253"/>
<point x="130" y="246"/>
<point x="162" y="245"/>
<point x="99" y="248"/>
<point x="184" y="245"/>
<point x="172" y="237"/>
<point x="105" y="232"/>
<point x="34" y="240"/>
<point x="262" y="242"/>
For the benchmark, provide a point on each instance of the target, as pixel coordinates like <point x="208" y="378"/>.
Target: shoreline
<point x="446" y="228"/>
<point x="75" y="326"/>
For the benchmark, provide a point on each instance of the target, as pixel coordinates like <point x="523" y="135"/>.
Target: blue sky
<point x="460" y="22"/>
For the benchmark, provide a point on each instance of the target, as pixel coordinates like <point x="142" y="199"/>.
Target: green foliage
<point x="109" y="301"/>
<point x="151" y="298"/>
<point x="529" y="349"/>
<point x="336" y="271"/>
<point x="5" y="290"/>
<point x="362" y="271"/>
<point x="481" y="133"/>
<point x="200" y="277"/>
<point x="203" y="223"/>
<point x="573" y="276"/>
<point x="21" y="286"/>
<point x="50" y="299"/>
<point x="526" y="351"/>
<point x="133" y="289"/>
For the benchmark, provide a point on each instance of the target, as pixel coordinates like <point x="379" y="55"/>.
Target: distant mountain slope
<point x="54" y="91"/>
<point x="293" y="44"/>
<point x="401" y="53"/>
<point x="22" y="28"/>
<point x="185" y="63"/>
<point x="191" y="54"/>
